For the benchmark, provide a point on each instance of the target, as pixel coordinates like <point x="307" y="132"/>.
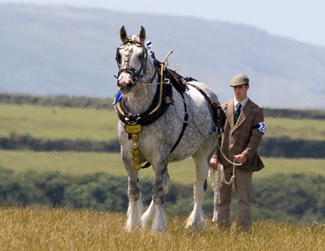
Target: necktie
<point x="237" y="111"/>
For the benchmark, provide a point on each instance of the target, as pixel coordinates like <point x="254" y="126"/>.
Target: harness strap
<point x="217" y="114"/>
<point x="184" y="125"/>
<point x="147" y="163"/>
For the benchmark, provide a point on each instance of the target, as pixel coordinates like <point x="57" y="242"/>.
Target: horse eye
<point x="141" y="56"/>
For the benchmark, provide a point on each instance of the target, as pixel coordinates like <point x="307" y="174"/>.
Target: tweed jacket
<point x="243" y="137"/>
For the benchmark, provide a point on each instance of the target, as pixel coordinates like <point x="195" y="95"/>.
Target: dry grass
<point x="39" y="228"/>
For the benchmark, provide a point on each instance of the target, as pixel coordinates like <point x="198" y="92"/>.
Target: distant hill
<point x="64" y="50"/>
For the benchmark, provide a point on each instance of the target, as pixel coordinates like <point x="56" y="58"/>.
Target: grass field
<point x="41" y="228"/>
<point x="58" y="122"/>
<point x="182" y="172"/>
<point x="307" y="129"/>
<point x="77" y="123"/>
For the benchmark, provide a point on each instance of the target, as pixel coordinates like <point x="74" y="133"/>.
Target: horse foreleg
<point x="147" y="217"/>
<point x="196" y="218"/>
<point x="135" y="203"/>
<point x="155" y="215"/>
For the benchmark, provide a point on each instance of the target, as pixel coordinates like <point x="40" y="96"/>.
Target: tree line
<point x="61" y="101"/>
<point x="295" y="197"/>
<point x="270" y="147"/>
<point x="106" y="103"/>
<point x="27" y="142"/>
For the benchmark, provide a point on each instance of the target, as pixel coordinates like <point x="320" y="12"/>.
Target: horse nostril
<point x="124" y="82"/>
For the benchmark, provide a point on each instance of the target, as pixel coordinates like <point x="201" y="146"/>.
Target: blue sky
<point x="300" y="20"/>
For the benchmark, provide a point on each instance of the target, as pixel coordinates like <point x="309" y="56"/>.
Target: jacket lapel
<point x="243" y="115"/>
<point x="230" y="113"/>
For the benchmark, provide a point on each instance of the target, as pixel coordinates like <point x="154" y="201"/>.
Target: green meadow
<point x="99" y="124"/>
<point x="58" y="122"/>
<point x="307" y="129"/>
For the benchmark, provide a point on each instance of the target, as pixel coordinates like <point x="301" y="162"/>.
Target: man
<point x="243" y="131"/>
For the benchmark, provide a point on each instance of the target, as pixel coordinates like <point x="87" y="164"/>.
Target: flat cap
<point x="239" y="79"/>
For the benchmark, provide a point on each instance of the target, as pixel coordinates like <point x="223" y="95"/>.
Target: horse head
<point x="131" y="58"/>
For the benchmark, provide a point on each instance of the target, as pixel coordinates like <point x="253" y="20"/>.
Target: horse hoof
<point x="146" y="224"/>
<point x="129" y="228"/>
<point x="195" y="226"/>
<point x="160" y="230"/>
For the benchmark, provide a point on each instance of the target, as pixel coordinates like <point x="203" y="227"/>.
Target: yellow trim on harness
<point x="163" y="67"/>
<point x="134" y="130"/>
<point x="119" y="108"/>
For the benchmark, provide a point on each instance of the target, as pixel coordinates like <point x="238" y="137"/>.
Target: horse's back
<point x="213" y="97"/>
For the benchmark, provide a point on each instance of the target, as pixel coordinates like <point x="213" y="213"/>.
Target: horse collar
<point x="133" y="123"/>
<point x="155" y="111"/>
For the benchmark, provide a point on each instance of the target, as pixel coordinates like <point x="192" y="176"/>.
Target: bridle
<point x="125" y="66"/>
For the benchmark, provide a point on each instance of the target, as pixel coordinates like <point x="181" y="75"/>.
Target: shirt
<point x="243" y="103"/>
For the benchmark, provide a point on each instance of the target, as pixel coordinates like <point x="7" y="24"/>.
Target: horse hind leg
<point x="196" y="219"/>
<point x="135" y="203"/>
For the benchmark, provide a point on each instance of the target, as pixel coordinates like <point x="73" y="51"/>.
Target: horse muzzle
<point x="125" y="88"/>
<point x="125" y="82"/>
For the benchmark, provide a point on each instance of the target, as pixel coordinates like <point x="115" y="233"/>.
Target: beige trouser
<point x="243" y="185"/>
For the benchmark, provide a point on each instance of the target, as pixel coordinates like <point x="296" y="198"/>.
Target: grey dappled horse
<point x="139" y="80"/>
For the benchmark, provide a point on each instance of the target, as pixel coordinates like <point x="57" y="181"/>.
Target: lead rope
<point x="214" y="134"/>
<point x="217" y="177"/>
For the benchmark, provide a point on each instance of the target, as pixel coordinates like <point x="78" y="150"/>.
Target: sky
<point x="301" y="20"/>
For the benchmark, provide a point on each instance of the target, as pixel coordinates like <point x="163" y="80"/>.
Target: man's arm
<point x="256" y="136"/>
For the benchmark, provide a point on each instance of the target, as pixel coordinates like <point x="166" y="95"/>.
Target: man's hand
<point x="214" y="163"/>
<point x="240" y="158"/>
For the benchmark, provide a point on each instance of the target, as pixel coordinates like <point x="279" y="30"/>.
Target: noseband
<point x="125" y="66"/>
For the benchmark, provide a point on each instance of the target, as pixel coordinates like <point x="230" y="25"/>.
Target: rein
<point x="217" y="135"/>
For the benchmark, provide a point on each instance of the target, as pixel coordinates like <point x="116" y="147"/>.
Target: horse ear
<point x="142" y="35"/>
<point x="123" y="34"/>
